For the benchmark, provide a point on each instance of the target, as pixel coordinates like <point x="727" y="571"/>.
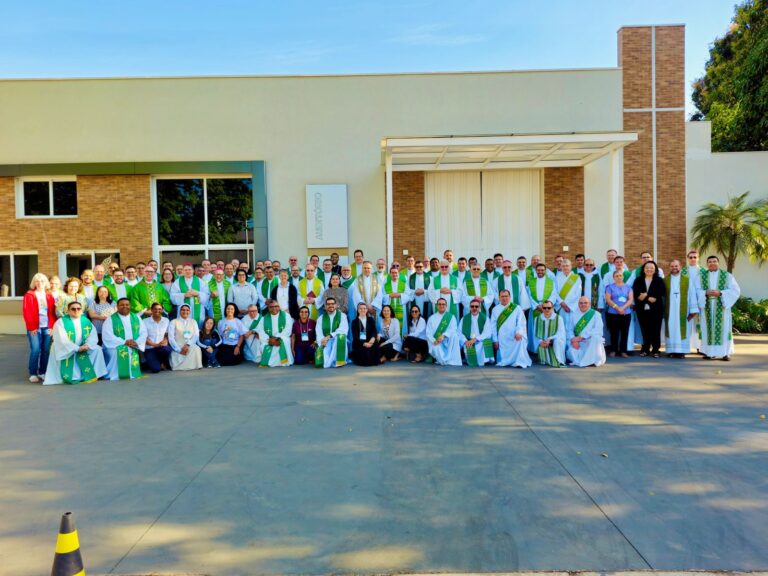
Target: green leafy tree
<point x="735" y="229"/>
<point x="733" y="93"/>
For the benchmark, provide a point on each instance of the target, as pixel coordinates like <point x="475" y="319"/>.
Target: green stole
<point x="569" y="282"/>
<point x="254" y="323"/>
<point x="585" y="319"/>
<point x="317" y="287"/>
<point x="515" y="287"/>
<point x="714" y="322"/>
<point x="269" y="327"/>
<point x="683" y="305"/>
<point x="594" y="289"/>
<point x="443" y="325"/>
<point x="604" y="269"/>
<point x="530" y="274"/>
<point x="216" y="302"/>
<point x="454" y="284"/>
<point x="412" y="281"/>
<point x="549" y="286"/>
<point x="347" y="283"/>
<point x="341" y="343"/>
<point x="127" y="357"/>
<point x="355" y="271"/>
<point x="194" y="302"/>
<point x="505" y="314"/>
<point x="67" y="366"/>
<point x="466" y="329"/>
<point x="547" y="355"/>
<point x="396" y="303"/>
<point x="268" y="285"/>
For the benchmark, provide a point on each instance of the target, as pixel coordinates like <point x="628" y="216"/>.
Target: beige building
<point x="521" y="162"/>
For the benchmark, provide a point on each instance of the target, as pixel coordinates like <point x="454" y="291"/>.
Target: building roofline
<point x="309" y="76"/>
<point x="650" y="26"/>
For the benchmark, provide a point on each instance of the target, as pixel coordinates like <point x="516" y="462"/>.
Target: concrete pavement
<point x="641" y="464"/>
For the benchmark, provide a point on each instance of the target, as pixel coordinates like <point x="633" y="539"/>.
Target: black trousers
<point x="618" y="327"/>
<point x="388" y="351"/>
<point x="650" y="327"/>
<point x="154" y="357"/>
<point x="415" y="346"/>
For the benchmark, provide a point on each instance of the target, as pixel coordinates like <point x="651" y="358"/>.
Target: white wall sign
<point x="326" y="215"/>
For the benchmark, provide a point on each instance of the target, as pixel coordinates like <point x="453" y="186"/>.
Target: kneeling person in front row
<point x="510" y="332"/>
<point x="75" y="354"/>
<point x="442" y="336"/>
<point x="157" y="349"/>
<point x="332" y="329"/>
<point x="548" y="336"/>
<point x="585" y="336"/>
<point x="475" y="336"/>
<point x="123" y="335"/>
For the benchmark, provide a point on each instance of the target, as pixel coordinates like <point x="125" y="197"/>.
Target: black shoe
<point x="705" y="357"/>
<point x="726" y="358"/>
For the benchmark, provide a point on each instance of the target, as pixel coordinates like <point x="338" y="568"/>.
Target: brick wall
<point x="635" y="57"/>
<point x="408" y="214"/>
<point x="563" y="212"/>
<point x="113" y="212"/>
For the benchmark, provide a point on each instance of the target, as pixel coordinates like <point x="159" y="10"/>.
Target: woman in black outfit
<point x="649" y="294"/>
<point x="365" y="338"/>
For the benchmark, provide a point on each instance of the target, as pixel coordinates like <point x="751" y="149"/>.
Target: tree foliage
<point x="733" y="93"/>
<point x="739" y="228"/>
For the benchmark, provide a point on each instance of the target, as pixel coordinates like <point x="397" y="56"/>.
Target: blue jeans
<point x="39" y="346"/>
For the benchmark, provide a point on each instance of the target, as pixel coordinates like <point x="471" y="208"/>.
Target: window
<point x="16" y="271"/>
<point x="46" y="198"/>
<point x="201" y="217"/>
<point x="75" y="262"/>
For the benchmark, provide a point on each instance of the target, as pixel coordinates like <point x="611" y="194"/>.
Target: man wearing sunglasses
<point x="442" y="336"/>
<point x="75" y="355"/>
<point x="476" y="335"/>
<point x="510" y="333"/>
<point x="446" y="285"/>
<point x="585" y="336"/>
<point x="548" y="336"/>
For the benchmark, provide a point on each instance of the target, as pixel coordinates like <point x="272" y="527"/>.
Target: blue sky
<point x="85" y="38"/>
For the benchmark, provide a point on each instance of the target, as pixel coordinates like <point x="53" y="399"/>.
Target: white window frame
<point x="64" y="253"/>
<point x="12" y="283"/>
<point x="50" y="180"/>
<point x="206" y="247"/>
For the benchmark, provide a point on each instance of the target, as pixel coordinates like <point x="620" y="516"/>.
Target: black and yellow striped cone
<point x="67" y="561"/>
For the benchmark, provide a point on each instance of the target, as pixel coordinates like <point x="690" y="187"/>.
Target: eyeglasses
<point x="414" y="312"/>
<point x="395" y="265"/>
<point x="692" y="257"/>
<point x="419" y="266"/>
<point x="444" y="267"/>
<point x="507" y="267"/>
<point x="75" y="309"/>
<point x="474" y="307"/>
<point x="546" y="307"/>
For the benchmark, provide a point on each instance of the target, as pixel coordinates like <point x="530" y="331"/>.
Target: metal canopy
<point x="501" y="152"/>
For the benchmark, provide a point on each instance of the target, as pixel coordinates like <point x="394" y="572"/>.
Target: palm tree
<point x="735" y="229"/>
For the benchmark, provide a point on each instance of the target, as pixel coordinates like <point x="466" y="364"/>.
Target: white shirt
<point x="156" y="331"/>
<point x="282" y="296"/>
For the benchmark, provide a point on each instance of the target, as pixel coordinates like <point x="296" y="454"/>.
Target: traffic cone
<point x="67" y="561"/>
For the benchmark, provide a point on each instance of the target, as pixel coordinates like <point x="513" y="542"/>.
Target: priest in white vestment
<point x="510" y="280"/>
<point x="332" y="329"/>
<point x="548" y="336"/>
<point x="476" y="335"/>
<point x="476" y="286"/>
<point x="681" y="313"/>
<point x="693" y="271"/>
<point x="191" y="290"/>
<point x="510" y="333"/>
<point x="275" y="334"/>
<point x="252" y="344"/>
<point x="442" y="336"/>
<point x="366" y="288"/>
<point x="717" y="292"/>
<point x="123" y="335"/>
<point x="75" y="355"/>
<point x="445" y="285"/>
<point x="584" y="342"/>
<point x="569" y="290"/>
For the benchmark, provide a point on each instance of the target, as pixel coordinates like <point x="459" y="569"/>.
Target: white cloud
<point x="435" y="35"/>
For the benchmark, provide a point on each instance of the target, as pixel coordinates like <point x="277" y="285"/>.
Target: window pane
<point x="5" y="276"/>
<point x="180" y="212"/>
<point x="76" y="263"/>
<point x="193" y="256"/>
<point x="25" y="267"/>
<point x="230" y="207"/>
<point x="65" y="198"/>
<point x="36" y="199"/>
<point x="106" y="258"/>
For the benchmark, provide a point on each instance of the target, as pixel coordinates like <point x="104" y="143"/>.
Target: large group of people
<point x="114" y="322"/>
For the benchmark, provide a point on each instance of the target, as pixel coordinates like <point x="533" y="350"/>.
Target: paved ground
<point x="640" y="464"/>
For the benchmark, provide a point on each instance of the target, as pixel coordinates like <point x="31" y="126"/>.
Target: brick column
<point x="408" y="214"/>
<point x="563" y="212"/>
<point x="653" y="60"/>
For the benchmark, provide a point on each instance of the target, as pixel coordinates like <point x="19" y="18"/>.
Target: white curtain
<point x="511" y="212"/>
<point x="453" y="213"/>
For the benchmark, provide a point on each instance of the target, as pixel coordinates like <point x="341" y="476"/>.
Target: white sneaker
<point x="41" y="376"/>
<point x="34" y="379"/>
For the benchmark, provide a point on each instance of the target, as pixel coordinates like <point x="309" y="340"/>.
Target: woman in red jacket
<point x="38" y="309"/>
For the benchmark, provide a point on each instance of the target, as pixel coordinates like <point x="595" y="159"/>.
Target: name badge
<point x="622" y="298"/>
<point x="187" y="334"/>
<point x="305" y="337"/>
<point x="232" y="335"/>
<point x="362" y="335"/>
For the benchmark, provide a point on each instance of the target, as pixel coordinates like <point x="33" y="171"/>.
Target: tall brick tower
<point x="653" y="63"/>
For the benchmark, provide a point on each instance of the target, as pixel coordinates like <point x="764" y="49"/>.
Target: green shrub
<point x="750" y="317"/>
